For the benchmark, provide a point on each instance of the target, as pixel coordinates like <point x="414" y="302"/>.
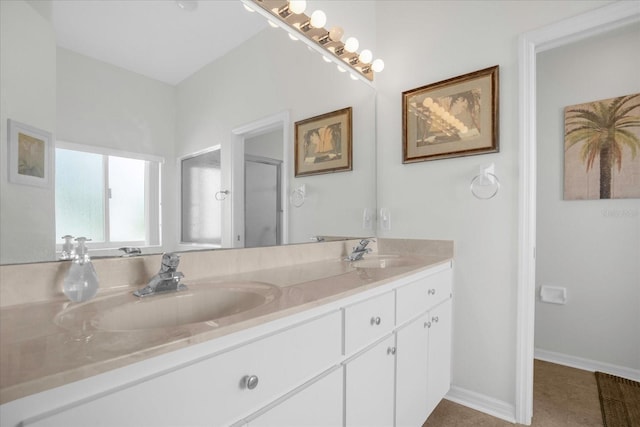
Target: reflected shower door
<point x="262" y="202"/>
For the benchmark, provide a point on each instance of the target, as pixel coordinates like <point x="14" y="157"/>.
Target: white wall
<point x="102" y="105"/>
<point x="27" y="95"/>
<point x="266" y="145"/>
<point x="591" y="247"/>
<point x="426" y="42"/>
<point x="270" y="74"/>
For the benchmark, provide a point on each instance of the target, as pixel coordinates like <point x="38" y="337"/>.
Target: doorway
<point x="260" y="165"/>
<point x="598" y="21"/>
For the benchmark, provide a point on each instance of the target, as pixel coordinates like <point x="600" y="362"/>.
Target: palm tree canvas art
<point x="602" y="149"/>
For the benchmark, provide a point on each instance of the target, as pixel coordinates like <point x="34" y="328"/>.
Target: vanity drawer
<point x="422" y="295"/>
<point x="367" y="321"/>
<point x="214" y="391"/>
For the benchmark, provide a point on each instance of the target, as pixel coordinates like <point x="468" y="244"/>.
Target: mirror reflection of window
<point x="111" y="199"/>
<point x="201" y="213"/>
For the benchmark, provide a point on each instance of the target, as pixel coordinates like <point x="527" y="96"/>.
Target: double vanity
<point x="286" y="336"/>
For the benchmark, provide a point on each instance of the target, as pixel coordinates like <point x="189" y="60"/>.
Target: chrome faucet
<point x="167" y="279"/>
<point x="359" y="251"/>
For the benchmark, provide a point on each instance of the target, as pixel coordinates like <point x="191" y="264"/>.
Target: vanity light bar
<point x="301" y="27"/>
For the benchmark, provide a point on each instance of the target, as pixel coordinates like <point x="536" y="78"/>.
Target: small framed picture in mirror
<point x="323" y="144"/>
<point x="452" y="118"/>
<point x="30" y="155"/>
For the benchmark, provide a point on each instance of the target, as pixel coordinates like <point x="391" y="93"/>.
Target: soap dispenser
<point x="68" y="251"/>
<point x="81" y="282"/>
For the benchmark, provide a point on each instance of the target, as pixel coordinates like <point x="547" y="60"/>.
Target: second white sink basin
<point x="200" y="303"/>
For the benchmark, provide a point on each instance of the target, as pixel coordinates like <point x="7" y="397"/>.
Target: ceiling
<point x="155" y="38"/>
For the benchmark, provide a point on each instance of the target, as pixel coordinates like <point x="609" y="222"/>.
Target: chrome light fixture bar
<point x="310" y="30"/>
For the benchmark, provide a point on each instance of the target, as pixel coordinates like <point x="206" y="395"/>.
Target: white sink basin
<point x="199" y="303"/>
<point x="384" y="261"/>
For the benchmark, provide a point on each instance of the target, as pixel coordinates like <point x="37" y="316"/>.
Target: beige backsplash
<point x="27" y="283"/>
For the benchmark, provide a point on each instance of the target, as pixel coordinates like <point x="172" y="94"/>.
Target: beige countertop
<point x="37" y="354"/>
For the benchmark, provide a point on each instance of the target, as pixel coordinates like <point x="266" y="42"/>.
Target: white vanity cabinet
<point x="399" y="380"/>
<point x="423" y="365"/>
<point x="216" y="391"/>
<point x="376" y="358"/>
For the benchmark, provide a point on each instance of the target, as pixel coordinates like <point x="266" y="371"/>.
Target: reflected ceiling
<point x="155" y="38"/>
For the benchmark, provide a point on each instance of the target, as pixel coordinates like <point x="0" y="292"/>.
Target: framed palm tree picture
<point x="452" y="118"/>
<point x="602" y="149"/>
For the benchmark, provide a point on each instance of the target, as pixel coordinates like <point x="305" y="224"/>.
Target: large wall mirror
<point x="119" y="96"/>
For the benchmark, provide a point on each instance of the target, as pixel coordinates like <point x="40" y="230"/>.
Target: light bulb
<point x="342" y="70"/>
<point x="365" y="56"/>
<point x="351" y="45"/>
<point x="353" y="76"/>
<point x="297" y="6"/>
<point x="318" y="19"/>
<point x="336" y="33"/>
<point x="377" y="65"/>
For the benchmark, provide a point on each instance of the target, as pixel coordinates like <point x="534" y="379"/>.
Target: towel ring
<point x="483" y="191"/>
<point x="297" y="197"/>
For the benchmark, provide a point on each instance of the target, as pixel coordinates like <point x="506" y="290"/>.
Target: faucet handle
<point x="170" y="261"/>
<point x="130" y="251"/>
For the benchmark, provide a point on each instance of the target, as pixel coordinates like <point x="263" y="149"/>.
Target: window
<point x="110" y="197"/>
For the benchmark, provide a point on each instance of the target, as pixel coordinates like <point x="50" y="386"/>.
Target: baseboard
<point x="586" y="364"/>
<point x="480" y="402"/>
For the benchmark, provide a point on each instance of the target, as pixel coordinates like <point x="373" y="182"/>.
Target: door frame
<point x="238" y="137"/>
<point x="591" y="23"/>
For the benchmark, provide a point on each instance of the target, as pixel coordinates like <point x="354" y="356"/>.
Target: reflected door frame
<point x="234" y="210"/>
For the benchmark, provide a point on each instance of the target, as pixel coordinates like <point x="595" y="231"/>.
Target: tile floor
<point x="562" y="397"/>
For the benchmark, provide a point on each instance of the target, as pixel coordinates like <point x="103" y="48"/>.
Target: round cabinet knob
<point x="376" y="320"/>
<point x="251" y="382"/>
<point x="391" y="350"/>
<point x="435" y="319"/>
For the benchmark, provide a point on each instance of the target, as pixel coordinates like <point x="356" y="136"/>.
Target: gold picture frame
<point x="323" y="144"/>
<point x="452" y="118"/>
<point x="30" y="155"/>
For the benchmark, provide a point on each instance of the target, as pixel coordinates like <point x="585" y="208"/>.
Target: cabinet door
<point x="318" y="405"/>
<point x="369" y="386"/>
<point x="439" y="380"/>
<point x="412" y="373"/>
